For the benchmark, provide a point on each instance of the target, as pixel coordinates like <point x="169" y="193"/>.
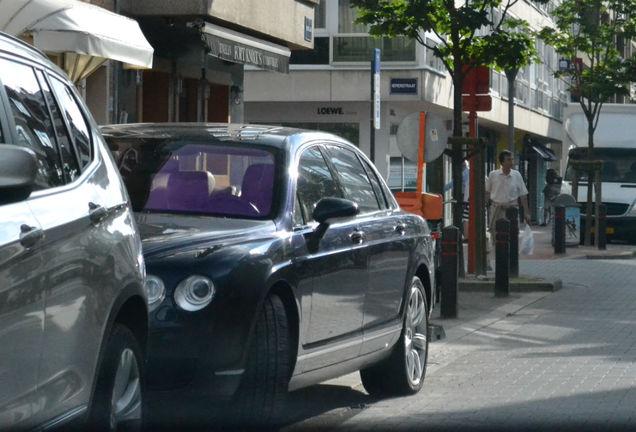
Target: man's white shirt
<point x="505" y="188"/>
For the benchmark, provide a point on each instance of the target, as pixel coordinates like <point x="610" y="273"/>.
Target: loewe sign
<point x="330" y="111"/>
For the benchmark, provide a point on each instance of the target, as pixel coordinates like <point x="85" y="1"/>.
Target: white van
<point x="615" y="145"/>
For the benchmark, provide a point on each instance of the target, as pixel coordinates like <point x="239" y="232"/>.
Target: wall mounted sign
<point x="308" y="29"/>
<point x="404" y="85"/>
<point x="236" y="47"/>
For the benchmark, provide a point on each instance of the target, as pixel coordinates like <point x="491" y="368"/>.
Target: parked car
<point x="73" y="312"/>
<point x="277" y="258"/>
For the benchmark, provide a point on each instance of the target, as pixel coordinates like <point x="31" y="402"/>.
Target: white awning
<point x="72" y="26"/>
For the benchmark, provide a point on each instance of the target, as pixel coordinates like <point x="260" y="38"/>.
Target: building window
<point x="348" y="131"/>
<point x="317" y="56"/>
<point x="402" y="174"/>
<point x="360" y="49"/>
<point x="432" y="60"/>
<point x="346" y="17"/>
<point x="320" y="15"/>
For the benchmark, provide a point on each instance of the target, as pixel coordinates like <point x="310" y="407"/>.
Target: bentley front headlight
<point x="155" y="290"/>
<point x="194" y="293"/>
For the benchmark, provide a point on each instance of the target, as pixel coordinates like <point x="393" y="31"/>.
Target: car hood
<point x="164" y="232"/>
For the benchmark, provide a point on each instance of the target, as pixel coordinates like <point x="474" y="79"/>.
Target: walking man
<point x="504" y="189"/>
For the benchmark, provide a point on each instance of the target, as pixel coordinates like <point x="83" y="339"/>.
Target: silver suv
<point x="73" y="315"/>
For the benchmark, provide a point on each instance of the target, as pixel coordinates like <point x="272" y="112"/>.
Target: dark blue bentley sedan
<point x="277" y="258"/>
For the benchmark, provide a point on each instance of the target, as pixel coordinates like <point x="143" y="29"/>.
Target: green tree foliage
<point x="468" y="35"/>
<point x="593" y="31"/>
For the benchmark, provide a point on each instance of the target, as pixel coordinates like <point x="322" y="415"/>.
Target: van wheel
<point x="402" y="373"/>
<point x="262" y="395"/>
<point x="118" y="399"/>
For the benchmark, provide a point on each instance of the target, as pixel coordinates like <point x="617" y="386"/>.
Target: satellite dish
<point x="408" y="137"/>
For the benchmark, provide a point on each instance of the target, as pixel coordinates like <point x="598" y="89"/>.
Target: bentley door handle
<point x="96" y="212"/>
<point x="357" y="237"/>
<point x="29" y="235"/>
<point x="400" y="229"/>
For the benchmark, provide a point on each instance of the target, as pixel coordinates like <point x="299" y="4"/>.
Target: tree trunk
<point x="587" y="241"/>
<point x="511" y="75"/>
<point x="457" y="155"/>
<point x="457" y="158"/>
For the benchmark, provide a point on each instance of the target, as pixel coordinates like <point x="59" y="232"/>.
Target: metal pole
<point x="371" y="117"/>
<point x="448" y="306"/>
<point x="480" y="213"/>
<point x="559" y="230"/>
<point x="502" y="258"/>
<point x="512" y="214"/>
<point x="472" y="208"/>
<point x="602" y="227"/>
<point x="597" y="206"/>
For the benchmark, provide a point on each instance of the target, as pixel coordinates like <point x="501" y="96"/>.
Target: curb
<point x="520" y="284"/>
<point x="619" y="255"/>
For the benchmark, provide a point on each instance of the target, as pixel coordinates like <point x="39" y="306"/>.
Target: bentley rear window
<point x="178" y="177"/>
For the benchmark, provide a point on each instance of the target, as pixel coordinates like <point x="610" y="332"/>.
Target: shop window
<point x="348" y="131"/>
<point x="402" y="174"/>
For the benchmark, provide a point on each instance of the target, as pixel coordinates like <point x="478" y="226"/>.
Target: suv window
<point x="353" y="179"/>
<point x="79" y="129"/>
<point x="34" y="128"/>
<point x="70" y="164"/>
<point x="314" y="182"/>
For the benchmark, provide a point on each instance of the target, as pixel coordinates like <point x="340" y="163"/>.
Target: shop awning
<point x="240" y="48"/>
<point x="544" y="152"/>
<point x="89" y="33"/>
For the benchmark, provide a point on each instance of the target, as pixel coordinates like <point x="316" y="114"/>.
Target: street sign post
<point x="375" y="102"/>
<point x="476" y="89"/>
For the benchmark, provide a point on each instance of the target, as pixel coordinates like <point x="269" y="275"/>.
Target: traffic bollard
<point x="450" y="247"/>
<point x="512" y="214"/>
<point x="502" y="258"/>
<point x="559" y="230"/>
<point x="602" y="227"/>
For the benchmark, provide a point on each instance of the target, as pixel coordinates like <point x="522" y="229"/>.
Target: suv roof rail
<point x="13" y="39"/>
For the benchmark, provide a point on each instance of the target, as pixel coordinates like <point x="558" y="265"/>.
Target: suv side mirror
<point x="18" y="168"/>
<point x="330" y="208"/>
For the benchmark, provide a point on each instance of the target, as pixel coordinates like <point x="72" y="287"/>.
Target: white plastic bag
<point x="526" y="244"/>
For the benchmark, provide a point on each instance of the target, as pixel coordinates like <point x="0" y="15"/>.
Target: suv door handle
<point x="357" y="237"/>
<point x="400" y="229"/>
<point x="30" y="235"/>
<point x="96" y="212"/>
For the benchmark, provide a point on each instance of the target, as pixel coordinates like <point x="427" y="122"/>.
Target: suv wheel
<point x="402" y="373"/>
<point x="117" y="405"/>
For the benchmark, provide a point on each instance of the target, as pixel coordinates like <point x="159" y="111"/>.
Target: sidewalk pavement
<point x="478" y="307"/>
<point x="543" y="250"/>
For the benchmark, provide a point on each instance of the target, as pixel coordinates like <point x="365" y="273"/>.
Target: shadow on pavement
<point x="200" y="416"/>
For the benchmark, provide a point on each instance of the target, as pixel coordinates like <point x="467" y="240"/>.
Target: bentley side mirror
<point x="332" y="208"/>
<point x="327" y="209"/>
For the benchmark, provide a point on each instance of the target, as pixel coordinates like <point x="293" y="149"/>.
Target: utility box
<point x="572" y="219"/>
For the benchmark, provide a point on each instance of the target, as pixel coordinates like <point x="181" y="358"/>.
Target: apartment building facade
<point x="329" y="88"/>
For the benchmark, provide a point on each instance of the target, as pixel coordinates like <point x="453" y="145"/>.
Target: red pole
<point x="472" y="132"/>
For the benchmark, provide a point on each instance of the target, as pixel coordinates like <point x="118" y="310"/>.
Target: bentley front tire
<point x="262" y="395"/>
